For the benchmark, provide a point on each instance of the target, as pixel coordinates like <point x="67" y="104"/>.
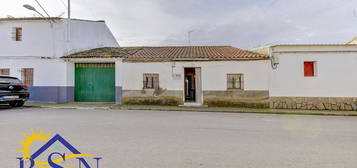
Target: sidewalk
<point x="110" y="106"/>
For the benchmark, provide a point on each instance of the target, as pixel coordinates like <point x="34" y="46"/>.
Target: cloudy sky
<point x="241" y="23"/>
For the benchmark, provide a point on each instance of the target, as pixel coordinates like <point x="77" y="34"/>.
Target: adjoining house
<point x="30" y="49"/>
<point x="313" y="76"/>
<point x="190" y="74"/>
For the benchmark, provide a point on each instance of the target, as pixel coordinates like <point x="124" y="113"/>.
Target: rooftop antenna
<point x="189" y="36"/>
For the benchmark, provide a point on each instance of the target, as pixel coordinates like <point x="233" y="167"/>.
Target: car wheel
<point x="20" y="103"/>
<point x="13" y="103"/>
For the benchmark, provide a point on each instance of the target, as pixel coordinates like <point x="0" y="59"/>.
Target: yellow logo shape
<point x="26" y="146"/>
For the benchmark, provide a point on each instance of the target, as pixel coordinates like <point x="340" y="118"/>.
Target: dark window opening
<point x="151" y="81"/>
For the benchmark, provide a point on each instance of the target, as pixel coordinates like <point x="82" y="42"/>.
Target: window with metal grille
<point x="4" y="71"/>
<point x="151" y="81"/>
<point x="235" y="81"/>
<point x="27" y="76"/>
<point x="17" y="34"/>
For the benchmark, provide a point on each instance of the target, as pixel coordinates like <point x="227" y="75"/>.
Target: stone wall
<point x="313" y="103"/>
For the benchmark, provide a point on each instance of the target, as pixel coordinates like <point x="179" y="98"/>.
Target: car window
<point x="10" y="80"/>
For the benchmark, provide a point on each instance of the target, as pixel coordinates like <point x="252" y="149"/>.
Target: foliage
<point x="168" y="101"/>
<point x="231" y="102"/>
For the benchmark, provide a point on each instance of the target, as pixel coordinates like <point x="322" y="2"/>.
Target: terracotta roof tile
<point x="156" y="54"/>
<point x="106" y="52"/>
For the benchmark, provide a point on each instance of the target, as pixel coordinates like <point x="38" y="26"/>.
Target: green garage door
<point x="95" y="83"/>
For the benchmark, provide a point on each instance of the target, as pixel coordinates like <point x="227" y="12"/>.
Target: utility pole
<point x="68" y="26"/>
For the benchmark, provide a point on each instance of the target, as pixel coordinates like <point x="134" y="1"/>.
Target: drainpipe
<point x="68" y="40"/>
<point x="274" y="60"/>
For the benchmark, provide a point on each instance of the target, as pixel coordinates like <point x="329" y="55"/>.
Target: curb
<point x="248" y="111"/>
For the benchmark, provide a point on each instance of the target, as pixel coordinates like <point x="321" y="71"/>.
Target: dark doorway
<point x="190" y="84"/>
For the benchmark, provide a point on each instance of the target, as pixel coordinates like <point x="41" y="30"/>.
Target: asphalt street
<point x="158" y="139"/>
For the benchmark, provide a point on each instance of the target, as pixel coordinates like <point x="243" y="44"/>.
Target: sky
<point x="241" y="23"/>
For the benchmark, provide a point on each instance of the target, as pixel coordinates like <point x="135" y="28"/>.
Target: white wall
<point x="214" y="74"/>
<point x="119" y="73"/>
<point x="47" y="72"/>
<point x="90" y="34"/>
<point x="39" y="39"/>
<point x="336" y="75"/>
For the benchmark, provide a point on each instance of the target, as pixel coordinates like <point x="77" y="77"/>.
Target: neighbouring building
<point x="31" y="49"/>
<point x="313" y="76"/>
<point x="191" y="74"/>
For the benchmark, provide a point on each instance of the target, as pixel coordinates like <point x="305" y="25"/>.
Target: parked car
<point x="13" y="91"/>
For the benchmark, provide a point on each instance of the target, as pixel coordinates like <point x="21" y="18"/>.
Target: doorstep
<point x="192" y="105"/>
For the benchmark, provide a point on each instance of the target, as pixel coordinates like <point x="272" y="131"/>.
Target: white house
<point x="31" y="49"/>
<point x="313" y="76"/>
<point x="189" y="74"/>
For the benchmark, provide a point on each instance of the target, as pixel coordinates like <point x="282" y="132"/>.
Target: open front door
<point x="190" y="85"/>
<point x="193" y="86"/>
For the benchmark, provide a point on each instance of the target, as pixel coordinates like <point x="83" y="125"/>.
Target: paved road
<point x="150" y="139"/>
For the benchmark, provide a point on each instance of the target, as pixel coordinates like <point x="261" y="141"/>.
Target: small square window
<point x="151" y="81"/>
<point x="235" y="81"/>
<point x="5" y="71"/>
<point x="309" y="68"/>
<point x="17" y="34"/>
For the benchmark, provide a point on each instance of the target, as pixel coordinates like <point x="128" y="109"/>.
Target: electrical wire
<point x="64" y="4"/>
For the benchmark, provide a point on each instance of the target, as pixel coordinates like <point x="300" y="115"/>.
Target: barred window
<point x="151" y="81"/>
<point x="27" y="76"/>
<point x="4" y="71"/>
<point x="235" y="81"/>
<point x="17" y="34"/>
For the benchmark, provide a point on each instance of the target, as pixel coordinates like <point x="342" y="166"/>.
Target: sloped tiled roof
<point x="183" y="53"/>
<point x="105" y="52"/>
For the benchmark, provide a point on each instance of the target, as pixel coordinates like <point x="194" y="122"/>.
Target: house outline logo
<point x="51" y="163"/>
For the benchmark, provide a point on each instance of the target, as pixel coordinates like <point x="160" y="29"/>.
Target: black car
<point x="13" y="91"/>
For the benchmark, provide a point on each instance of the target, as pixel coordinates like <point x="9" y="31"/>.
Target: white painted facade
<point x="47" y="72"/>
<point x="213" y="74"/>
<point x="42" y="45"/>
<point x="336" y="68"/>
<point x="40" y="40"/>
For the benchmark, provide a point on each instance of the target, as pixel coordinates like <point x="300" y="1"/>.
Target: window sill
<point x="149" y="89"/>
<point x="235" y="89"/>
